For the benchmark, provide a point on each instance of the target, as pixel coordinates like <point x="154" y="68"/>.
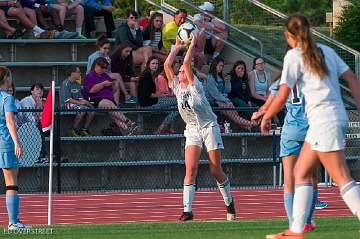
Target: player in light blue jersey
<point x="10" y="150"/>
<point x="292" y="138"/>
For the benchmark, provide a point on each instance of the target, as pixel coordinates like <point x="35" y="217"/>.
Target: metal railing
<point x="250" y="45"/>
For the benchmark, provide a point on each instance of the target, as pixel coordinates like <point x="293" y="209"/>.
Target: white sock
<point x="216" y="54"/>
<point x="79" y="30"/>
<point x="350" y="192"/>
<point x="188" y="197"/>
<point x="225" y="191"/>
<point x="302" y="202"/>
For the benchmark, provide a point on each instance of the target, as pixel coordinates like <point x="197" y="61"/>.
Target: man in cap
<point x="209" y="43"/>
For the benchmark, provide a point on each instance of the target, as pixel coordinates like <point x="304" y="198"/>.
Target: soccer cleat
<point x="186" y="216"/>
<point x="309" y="228"/>
<point x="73" y="133"/>
<point x="287" y="234"/>
<point x="231" y="214"/>
<point x="321" y="205"/>
<point x="83" y="132"/>
<point x="18" y="226"/>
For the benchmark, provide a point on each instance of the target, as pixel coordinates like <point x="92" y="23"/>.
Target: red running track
<point x="120" y="207"/>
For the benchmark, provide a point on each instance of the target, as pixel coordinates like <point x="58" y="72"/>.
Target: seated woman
<point x="98" y="89"/>
<point x="122" y="64"/>
<point x="259" y="82"/>
<point x="150" y="98"/>
<point x="240" y="93"/>
<point x="152" y="36"/>
<point x="118" y="84"/>
<point x="217" y="89"/>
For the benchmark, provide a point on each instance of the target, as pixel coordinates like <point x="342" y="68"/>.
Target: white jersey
<point x="322" y="96"/>
<point x="193" y="106"/>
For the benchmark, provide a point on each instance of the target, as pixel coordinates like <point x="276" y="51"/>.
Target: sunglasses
<point x="132" y="17"/>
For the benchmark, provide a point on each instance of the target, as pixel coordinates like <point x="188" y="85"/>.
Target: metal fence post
<point x="136" y="6"/>
<point x="226" y="10"/>
<point x="357" y="66"/>
<point x="57" y="142"/>
<point x="274" y="154"/>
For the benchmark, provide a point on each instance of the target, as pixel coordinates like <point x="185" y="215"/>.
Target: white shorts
<point x="327" y="137"/>
<point x="210" y="136"/>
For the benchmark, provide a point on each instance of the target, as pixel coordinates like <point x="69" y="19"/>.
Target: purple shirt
<point x="92" y="79"/>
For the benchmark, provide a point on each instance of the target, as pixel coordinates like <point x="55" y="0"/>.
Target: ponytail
<point x="299" y="28"/>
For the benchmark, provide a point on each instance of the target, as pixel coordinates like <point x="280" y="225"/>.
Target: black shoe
<point x="231" y="214"/>
<point x="17" y="34"/>
<point x="186" y="216"/>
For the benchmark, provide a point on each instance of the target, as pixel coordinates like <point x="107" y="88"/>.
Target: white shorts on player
<point x="210" y="136"/>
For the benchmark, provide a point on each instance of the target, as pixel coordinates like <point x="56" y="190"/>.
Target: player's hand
<point x="256" y="116"/>
<point x="265" y="125"/>
<point x="194" y="38"/>
<point x="18" y="150"/>
<point x="178" y="42"/>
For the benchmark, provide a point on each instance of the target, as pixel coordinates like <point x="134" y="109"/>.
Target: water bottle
<point x="227" y="127"/>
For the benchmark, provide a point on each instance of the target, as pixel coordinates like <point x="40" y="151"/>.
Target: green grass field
<point x="328" y="228"/>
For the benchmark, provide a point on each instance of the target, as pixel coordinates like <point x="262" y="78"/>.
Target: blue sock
<point x="312" y="208"/>
<point x="12" y="205"/>
<point x="288" y="202"/>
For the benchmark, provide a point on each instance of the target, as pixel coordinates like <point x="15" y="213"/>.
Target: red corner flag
<point x="47" y="116"/>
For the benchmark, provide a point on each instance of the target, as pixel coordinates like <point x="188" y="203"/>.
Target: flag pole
<point x="51" y="150"/>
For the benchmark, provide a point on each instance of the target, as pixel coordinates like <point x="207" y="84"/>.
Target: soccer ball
<point x="184" y="32"/>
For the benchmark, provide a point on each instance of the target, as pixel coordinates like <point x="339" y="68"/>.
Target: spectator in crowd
<point x="118" y="84"/>
<point x="259" y="82"/>
<point x="14" y="9"/>
<point x="38" y="10"/>
<point x="72" y="98"/>
<point x="10" y="32"/>
<point x="170" y="30"/>
<point x="240" y="94"/>
<point x="122" y="64"/>
<point x="208" y="43"/>
<point x="98" y="8"/>
<point x="152" y="36"/>
<point x="73" y="8"/>
<point x="98" y="89"/>
<point x="131" y="33"/>
<point x="149" y="97"/>
<point x="217" y="89"/>
<point x="35" y="101"/>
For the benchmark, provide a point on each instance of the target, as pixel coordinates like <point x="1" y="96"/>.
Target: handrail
<point x="318" y="34"/>
<point x="171" y="10"/>
<point x="227" y="24"/>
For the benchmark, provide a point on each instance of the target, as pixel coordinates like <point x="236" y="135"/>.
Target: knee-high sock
<point x="312" y="207"/>
<point x="188" y="196"/>
<point x="288" y="203"/>
<point x="350" y="192"/>
<point x="12" y="205"/>
<point x="225" y="191"/>
<point x="302" y="201"/>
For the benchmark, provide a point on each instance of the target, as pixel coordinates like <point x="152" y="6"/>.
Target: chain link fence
<point x="148" y="161"/>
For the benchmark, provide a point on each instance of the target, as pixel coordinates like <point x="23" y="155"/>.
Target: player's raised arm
<point x="170" y="60"/>
<point x="188" y="59"/>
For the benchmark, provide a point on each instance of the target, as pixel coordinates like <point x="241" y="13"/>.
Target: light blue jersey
<point x="295" y="123"/>
<point x="7" y="104"/>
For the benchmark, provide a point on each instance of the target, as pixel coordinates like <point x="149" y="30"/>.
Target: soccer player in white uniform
<point x="318" y="69"/>
<point x="201" y="128"/>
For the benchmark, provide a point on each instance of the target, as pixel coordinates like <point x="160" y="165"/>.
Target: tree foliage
<point x="348" y="29"/>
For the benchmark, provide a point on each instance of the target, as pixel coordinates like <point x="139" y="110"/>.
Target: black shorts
<point x="5" y="9"/>
<point x="209" y="49"/>
<point x="96" y="102"/>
